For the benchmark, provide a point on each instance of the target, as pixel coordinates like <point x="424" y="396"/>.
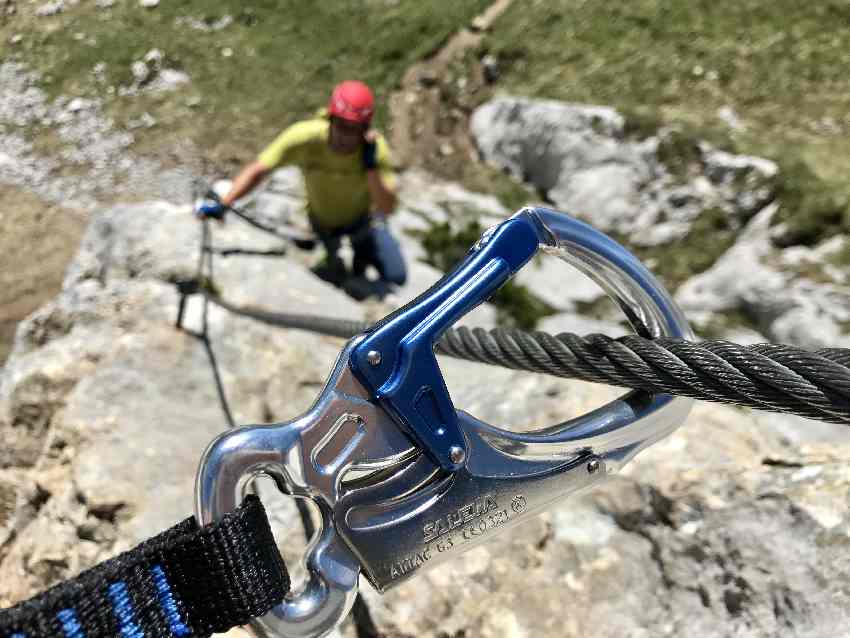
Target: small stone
<point x="427" y="78"/>
<point x="104" y="4"/>
<point x="15" y="39"/>
<point x="730" y="118"/>
<point x="50" y="9"/>
<point x="140" y="71"/>
<point x="169" y="80"/>
<point x="146" y="120"/>
<point x="227" y="52"/>
<point x="154" y="57"/>
<point x="77" y="104"/>
<point x="478" y="24"/>
<point x="490" y="67"/>
<point x="148" y="4"/>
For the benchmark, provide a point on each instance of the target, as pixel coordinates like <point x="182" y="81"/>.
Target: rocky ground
<point x="728" y="527"/>
<point x="48" y="190"/>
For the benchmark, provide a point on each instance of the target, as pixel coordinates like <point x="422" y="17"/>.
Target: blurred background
<point x="711" y="138"/>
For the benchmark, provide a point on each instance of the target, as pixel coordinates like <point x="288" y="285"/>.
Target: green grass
<point x="480" y="177"/>
<point x="711" y="234"/>
<point x="812" y="209"/>
<point x="287" y="55"/>
<point x="721" y="323"/>
<point x="782" y="65"/>
<point x="684" y="58"/>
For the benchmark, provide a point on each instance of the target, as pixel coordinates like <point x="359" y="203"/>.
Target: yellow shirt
<point x="337" y="191"/>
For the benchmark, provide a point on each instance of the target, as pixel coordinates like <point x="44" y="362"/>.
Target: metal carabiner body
<point x="402" y="479"/>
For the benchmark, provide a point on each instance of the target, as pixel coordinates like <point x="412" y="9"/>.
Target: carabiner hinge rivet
<point x="374" y="357"/>
<point x="593" y="466"/>
<point x="457" y="455"/>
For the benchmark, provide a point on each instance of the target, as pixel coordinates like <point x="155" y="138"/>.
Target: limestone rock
<point x="787" y="306"/>
<point x="727" y="527"/>
<point x="580" y="157"/>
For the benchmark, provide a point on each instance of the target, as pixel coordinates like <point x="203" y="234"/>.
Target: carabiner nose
<point x="652" y="313"/>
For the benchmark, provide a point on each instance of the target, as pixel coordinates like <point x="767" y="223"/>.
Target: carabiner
<point x="402" y="479"/>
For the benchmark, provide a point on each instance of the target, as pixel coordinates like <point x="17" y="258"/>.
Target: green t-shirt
<point x="337" y="191"/>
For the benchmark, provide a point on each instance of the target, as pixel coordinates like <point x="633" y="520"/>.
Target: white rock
<point x="153" y="58"/>
<point x="50" y="8"/>
<point x="145" y="120"/>
<point x="140" y="71"/>
<point x="79" y="104"/>
<point x="168" y="80"/>
<point x="730" y="118"/>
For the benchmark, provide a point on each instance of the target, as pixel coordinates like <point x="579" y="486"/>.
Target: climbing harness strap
<point x="187" y="581"/>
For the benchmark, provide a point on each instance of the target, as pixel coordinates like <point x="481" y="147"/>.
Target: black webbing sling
<point x="187" y="581"/>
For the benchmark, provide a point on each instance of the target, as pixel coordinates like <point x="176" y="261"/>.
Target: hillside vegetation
<point x="762" y="77"/>
<point x="253" y="67"/>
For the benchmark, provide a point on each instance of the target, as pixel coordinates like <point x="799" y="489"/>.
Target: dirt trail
<point x="37" y="241"/>
<point x="415" y="131"/>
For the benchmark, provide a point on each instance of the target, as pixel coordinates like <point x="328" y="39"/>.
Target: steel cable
<point x="778" y="378"/>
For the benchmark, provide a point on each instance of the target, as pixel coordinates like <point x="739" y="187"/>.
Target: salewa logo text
<point x="457" y="518"/>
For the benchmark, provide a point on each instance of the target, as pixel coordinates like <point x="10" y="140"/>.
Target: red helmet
<point x="352" y="100"/>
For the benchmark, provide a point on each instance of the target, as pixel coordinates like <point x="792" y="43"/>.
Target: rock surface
<point x="728" y="527"/>
<point x="792" y="296"/>
<point x="581" y="159"/>
<point x="655" y="192"/>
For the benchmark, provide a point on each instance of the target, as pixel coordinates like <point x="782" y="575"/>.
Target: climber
<point x="350" y="188"/>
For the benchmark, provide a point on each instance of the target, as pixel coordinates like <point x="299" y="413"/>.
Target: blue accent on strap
<point x="18" y="636"/>
<point x="168" y="603"/>
<point x="70" y="625"/>
<point x="123" y="608"/>
<point x="407" y="381"/>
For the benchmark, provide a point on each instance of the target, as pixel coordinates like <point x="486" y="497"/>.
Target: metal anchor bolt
<point x="373" y="357"/>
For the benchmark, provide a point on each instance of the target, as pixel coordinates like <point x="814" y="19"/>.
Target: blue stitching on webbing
<point x="70" y="625"/>
<point x="168" y="603"/>
<point x="123" y="608"/>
